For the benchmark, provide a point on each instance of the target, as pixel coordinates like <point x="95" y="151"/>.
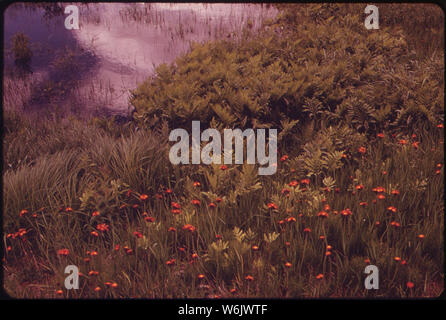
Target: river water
<point x="121" y="43"/>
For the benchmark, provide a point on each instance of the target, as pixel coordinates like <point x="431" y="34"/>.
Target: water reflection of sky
<point x="130" y="39"/>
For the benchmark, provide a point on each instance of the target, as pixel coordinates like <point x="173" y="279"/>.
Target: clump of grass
<point x="21" y="49"/>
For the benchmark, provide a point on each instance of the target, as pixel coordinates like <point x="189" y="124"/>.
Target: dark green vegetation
<point x="359" y="181"/>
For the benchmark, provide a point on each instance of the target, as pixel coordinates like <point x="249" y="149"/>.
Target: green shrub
<point x="21" y="49"/>
<point x="326" y="73"/>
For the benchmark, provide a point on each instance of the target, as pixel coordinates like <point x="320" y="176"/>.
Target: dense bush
<point x="330" y="72"/>
<point x="21" y="49"/>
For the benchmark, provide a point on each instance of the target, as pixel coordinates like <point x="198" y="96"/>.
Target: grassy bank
<point x="360" y="177"/>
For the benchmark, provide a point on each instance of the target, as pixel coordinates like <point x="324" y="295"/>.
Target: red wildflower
<point x="22" y="232"/>
<point x="138" y="234"/>
<point x="102" y="227"/>
<point x="176" y="205"/>
<point x="23" y="212"/>
<point x="93" y="273"/>
<point x="322" y="214"/>
<point x="170" y="262"/>
<point x="379" y="189"/>
<point x="395" y="224"/>
<point x="143" y="197"/>
<point x="272" y="205"/>
<point x="293" y="183"/>
<point x="63" y="252"/>
<point x="149" y="219"/>
<point x="189" y="227"/>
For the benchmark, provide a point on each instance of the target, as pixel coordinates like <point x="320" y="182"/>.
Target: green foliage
<point x="205" y="231"/>
<point x="21" y="49"/>
<point x="370" y="80"/>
